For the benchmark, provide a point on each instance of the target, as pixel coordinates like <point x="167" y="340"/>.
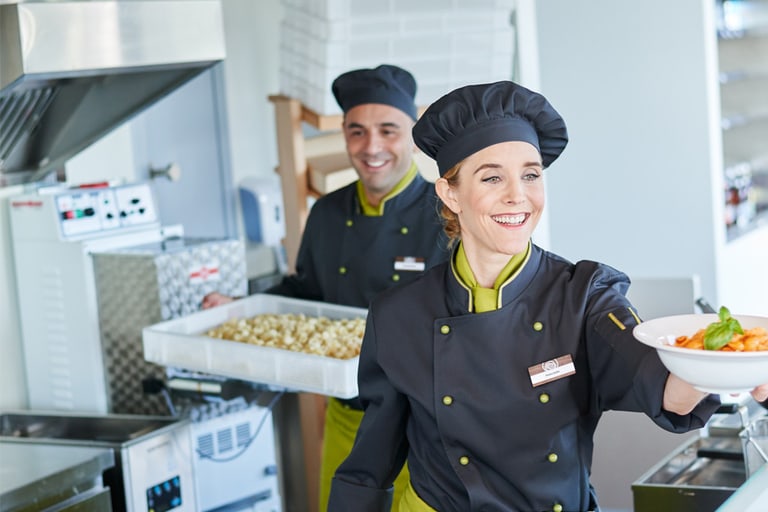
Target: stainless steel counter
<point x="706" y="471"/>
<point x="150" y="457"/>
<point x="33" y="476"/>
<point x="750" y="497"/>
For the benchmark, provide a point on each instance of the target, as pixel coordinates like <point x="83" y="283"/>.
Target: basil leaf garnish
<point x="718" y="334"/>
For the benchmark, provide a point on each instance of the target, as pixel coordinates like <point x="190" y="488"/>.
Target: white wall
<point x="252" y="32"/>
<point x="109" y="158"/>
<point x="527" y="72"/>
<point x="636" y="187"/>
<point x="743" y="287"/>
<point x="640" y="185"/>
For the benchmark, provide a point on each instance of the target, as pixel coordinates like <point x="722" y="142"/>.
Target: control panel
<point x="85" y="211"/>
<point x="164" y="496"/>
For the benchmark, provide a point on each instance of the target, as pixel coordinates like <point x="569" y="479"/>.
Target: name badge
<point x="409" y="263"/>
<point x="548" y="371"/>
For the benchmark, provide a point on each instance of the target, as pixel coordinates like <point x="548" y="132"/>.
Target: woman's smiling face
<point x="499" y="199"/>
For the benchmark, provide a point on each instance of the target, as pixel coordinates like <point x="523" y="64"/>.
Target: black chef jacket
<point x="452" y="391"/>
<point x="347" y="258"/>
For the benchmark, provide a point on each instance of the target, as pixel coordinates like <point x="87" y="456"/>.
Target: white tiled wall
<point x="444" y="43"/>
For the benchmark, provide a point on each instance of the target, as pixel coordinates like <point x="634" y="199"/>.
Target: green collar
<point x="488" y="299"/>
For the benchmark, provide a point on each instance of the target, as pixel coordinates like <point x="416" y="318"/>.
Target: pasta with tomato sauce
<point x="752" y="340"/>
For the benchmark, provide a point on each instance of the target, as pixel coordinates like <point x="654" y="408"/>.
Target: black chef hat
<point x="386" y="84"/>
<point x="474" y="117"/>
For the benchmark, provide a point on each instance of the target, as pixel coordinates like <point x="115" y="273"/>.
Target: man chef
<point x="377" y="232"/>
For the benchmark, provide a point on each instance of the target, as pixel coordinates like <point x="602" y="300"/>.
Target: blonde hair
<point x="451" y="224"/>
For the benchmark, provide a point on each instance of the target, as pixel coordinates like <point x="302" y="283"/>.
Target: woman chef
<point x="490" y="372"/>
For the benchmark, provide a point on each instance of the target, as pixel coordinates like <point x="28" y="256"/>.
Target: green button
<point x="447" y="400"/>
<point x="537" y="326"/>
<point x="445" y="329"/>
<point x="464" y="460"/>
<point x="349" y="223"/>
<point x="557" y="508"/>
<point x="552" y="457"/>
<point x="404" y="230"/>
<point x="544" y="398"/>
<point x="342" y="270"/>
<point x="395" y="277"/>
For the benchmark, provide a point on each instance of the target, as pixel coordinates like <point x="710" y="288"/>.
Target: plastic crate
<point x="181" y="343"/>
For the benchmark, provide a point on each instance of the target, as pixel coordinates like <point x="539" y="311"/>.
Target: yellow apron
<point x="341" y="424"/>
<point x="410" y="502"/>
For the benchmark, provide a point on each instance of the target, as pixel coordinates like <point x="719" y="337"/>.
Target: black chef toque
<point x="385" y="84"/>
<point x="473" y="117"/>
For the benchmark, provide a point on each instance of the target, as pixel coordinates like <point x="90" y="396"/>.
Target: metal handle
<point x="704" y="305"/>
<point x="757" y="447"/>
<point x="171" y="171"/>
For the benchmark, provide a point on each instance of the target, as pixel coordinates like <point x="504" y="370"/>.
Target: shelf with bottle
<point x="746" y="196"/>
<point x="741" y="75"/>
<point x="737" y="120"/>
<point x="742" y="30"/>
<point x="743" y="81"/>
<point x="745" y="140"/>
<point x="745" y="156"/>
<point x="737" y="19"/>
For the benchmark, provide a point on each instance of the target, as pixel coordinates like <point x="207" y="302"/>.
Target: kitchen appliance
<point x="152" y="455"/>
<point x="698" y="477"/>
<point x="143" y="284"/>
<point x="754" y="442"/>
<point x="234" y="457"/>
<point x="54" y="232"/>
<point x="61" y="478"/>
<point x="93" y="266"/>
<point x="71" y="71"/>
<point x="751" y="497"/>
<point x="704" y="471"/>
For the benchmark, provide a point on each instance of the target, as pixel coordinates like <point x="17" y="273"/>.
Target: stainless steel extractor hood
<point x="71" y="71"/>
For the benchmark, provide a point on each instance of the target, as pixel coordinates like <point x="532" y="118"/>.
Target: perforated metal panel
<point x="144" y="285"/>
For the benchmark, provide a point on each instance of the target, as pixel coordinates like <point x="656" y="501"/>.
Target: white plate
<point x="711" y="371"/>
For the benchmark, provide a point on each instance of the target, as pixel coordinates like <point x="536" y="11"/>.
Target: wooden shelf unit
<point x="297" y="155"/>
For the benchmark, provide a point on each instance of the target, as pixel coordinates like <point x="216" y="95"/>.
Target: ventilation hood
<point x="71" y="71"/>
